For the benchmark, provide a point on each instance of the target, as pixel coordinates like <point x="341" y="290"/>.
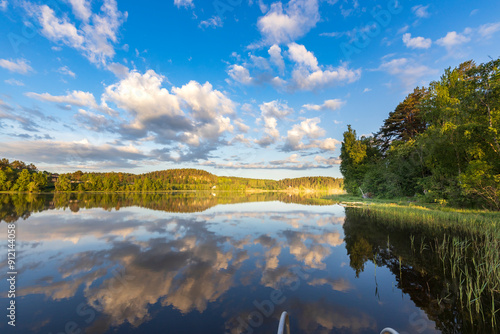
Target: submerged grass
<point x="474" y="267"/>
<point x="465" y="244"/>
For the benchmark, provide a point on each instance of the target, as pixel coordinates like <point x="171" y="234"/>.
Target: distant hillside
<point x="17" y="176"/>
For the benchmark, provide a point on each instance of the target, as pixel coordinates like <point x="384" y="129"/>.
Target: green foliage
<point x="63" y="183"/>
<point x="23" y="181"/>
<point x="3" y="180"/>
<point x="166" y="180"/>
<point x="353" y="166"/>
<point x="405" y="122"/>
<point x="441" y="141"/>
<point x="17" y="176"/>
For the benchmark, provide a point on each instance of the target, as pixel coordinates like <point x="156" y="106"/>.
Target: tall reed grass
<point x="465" y="244"/>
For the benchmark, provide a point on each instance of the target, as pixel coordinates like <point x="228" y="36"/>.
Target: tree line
<point x="17" y="176"/>
<point x="441" y="143"/>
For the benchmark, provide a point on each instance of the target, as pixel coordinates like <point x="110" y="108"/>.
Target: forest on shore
<point x="20" y="177"/>
<point x="441" y="144"/>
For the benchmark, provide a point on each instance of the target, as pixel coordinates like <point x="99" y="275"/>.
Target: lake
<point x="214" y="263"/>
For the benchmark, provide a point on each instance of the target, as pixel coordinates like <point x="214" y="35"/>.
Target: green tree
<point x="405" y="122"/>
<point x="3" y="181"/>
<point x="23" y="181"/>
<point x="462" y="152"/>
<point x="481" y="176"/>
<point x="40" y="180"/>
<point x="353" y="166"/>
<point x="33" y="187"/>
<point x="63" y="183"/>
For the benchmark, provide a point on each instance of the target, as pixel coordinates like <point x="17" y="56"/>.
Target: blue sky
<point x="245" y="88"/>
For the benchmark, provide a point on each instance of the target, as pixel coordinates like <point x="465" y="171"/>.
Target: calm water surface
<point x="183" y="264"/>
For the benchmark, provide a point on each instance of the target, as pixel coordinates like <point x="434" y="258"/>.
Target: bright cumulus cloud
<point x="190" y="114"/>
<point x="305" y="72"/>
<point x="416" y="42"/>
<point x="286" y="23"/>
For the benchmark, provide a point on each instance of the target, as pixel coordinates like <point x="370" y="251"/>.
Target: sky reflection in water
<point x="229" y="269"/>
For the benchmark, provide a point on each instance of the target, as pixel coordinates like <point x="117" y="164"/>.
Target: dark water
<point x="180" y="263"/>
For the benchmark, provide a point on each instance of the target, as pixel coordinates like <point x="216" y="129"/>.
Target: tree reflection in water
<point x="145" y="262"/>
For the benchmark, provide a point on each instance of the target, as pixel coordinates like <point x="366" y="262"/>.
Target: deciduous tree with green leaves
<point x="353" y="166"/>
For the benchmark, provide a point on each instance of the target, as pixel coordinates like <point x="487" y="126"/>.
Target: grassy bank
<point x="410" y="214"/>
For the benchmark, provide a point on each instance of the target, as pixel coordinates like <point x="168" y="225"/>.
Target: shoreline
<point x="331" y="192"/>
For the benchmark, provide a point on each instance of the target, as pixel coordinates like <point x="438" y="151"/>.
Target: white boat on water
<point x="284" y="326"/>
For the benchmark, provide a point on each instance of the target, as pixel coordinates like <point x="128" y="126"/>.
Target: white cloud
<point x="278" y="82"/>
<point x="327" y="161"/>
<point x="14" y="82"/>
<point x="272" y="133"/>
<point x="332" y="105"/>
<point x="277" y="58"/>
<point x="247" y="107"/>
<point x="306" y="80"/>
<point x="240" y="74"/>
<point x="308" y="129"/>
<point x="275" y="109"/>
<point x="366" y="90"/>
<point x="184" y="3"/>
<point x="307" y="75"/>
<point x="66" y="71"/>
<point x="270" y="113"/>
<point x="94" y="122"/>
<point x="241" y="126"/>
<point x="403" y="29"/>
<point x="190" y="120"/>
<point x="292" y="159"/>
<point x="63" y="152"/>
<point x="81" y="9"/>
<point x="327" y="105"/>
<point x="259" y="62"/>
<point x="240" y="138"/>
<point x="293" y="162"/>
<point x="55" y="29"/>
<point x="262" y="6"/>
<point x="19" y="66"/>
<point x="416" y="42"/>
<point x="452" y="39"/>
<point x="213" y="22"/>
<point x="408" y="71"/>
<point x="487" y="30"/>
<point x="95" y="37"/>
<point x="203" y="102"/>
<point x="421" y="11"/>
<point x="299" y="54"/>
<point x="121" y="71"/>
<point x="354" y="34"/>
<point x="3" y="5"/>
<point x="76" y="98"/>
<point x="454" y="42"/>
<point x="286" y="24"/>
